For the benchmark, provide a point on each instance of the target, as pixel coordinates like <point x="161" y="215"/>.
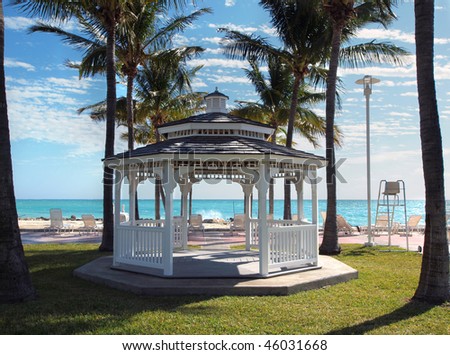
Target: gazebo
<point x="215" y="145"/>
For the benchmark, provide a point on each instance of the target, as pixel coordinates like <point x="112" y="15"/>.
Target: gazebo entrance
<point x="215" y="145"/>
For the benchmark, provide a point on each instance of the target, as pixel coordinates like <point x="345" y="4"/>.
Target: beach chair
<point x="56" y="221"/>
<point x="382" y="225"/>
<point x="412" y="224"/>
<point x="90" y="225"/>
<point x="323" y="214"/>
<point x="196" y="223"/>
<point x="238" y="223"/>
<point x="343" y="225"/>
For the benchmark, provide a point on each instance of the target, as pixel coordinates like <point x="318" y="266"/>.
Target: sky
<point x="57" y="152"/>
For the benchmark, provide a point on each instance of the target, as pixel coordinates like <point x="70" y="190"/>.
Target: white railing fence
<point x="292" y="245"/>
<point x="140" y="246"/>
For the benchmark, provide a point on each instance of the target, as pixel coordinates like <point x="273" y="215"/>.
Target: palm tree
<point x="15" y="280"/>
<point x="165" y="94"/>
<point x="273" y="107"/>
<point x="343" y="19"/>
<point x="139" y="38"/>
<point x="306" y="36"/>
<point x="303" y="34"/>
<point x="434" y="277"/>
<point x="105" y="15"/>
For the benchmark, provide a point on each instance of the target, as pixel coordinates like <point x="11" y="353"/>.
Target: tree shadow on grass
<point x="409" y="310"/>
<point x="69" y="305"/>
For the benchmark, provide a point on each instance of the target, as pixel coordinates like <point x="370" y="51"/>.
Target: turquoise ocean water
<point x="355" y="211"/>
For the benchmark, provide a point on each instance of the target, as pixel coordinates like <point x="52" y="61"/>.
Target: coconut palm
<point x="434" y="277"/>
<point x="15" y="280"/>
<point x="105" y="15"/>
<point x="273" y="107"/>
<point x="165" y="93"/>
<point x="305" y="33"/>
<point x="345" y="16"/>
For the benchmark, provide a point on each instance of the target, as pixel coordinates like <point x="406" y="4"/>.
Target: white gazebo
<point x="215" y="145"/>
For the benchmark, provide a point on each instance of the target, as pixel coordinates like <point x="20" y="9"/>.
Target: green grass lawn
<point x="376" y="303"/>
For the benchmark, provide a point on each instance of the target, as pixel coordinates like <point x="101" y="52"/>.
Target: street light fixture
<point x="367" y="83"/>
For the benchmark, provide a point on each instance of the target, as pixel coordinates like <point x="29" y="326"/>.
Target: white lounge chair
<point x="382" y="225"/>
<point x="343" y="225"/>
<point x="56" y="221"/>
<point x="238" y="223"/>
<point x="196" y="223"/>
<point x="413" y="223"/>
<point x="90" y="225"/>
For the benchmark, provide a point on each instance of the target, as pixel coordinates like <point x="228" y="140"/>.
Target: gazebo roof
<point x="220" y="145"/>
<point x="214" y="117"/>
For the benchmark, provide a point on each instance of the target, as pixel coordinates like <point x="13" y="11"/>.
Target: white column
<point x="300" y="206"/>
<point x="263" y="186"/>
<point x="247" y="201"/>
<point x="117" y="192"/>
<point x="169" y="185"/>
<point x="132" y="196"/>
<point x="315" y="205"/>
<point x="185" y="188"/>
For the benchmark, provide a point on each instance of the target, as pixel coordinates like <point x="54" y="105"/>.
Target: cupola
<point x="216" y="102"/>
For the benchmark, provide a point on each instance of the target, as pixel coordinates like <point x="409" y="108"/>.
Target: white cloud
<point x="400" y="114"/>
<point x="230" y="2"/>
<point x="215" y="40"/>
<point x="214" y="50"/>
<point x="271" y="31"/>
<point x="409" y="94"/>
<point x="391" y="83"/>
<point x="45" y="110"/>
<point x="393" y="35"/>
<point x="18" y="23"/>
<point x="216" y="62"/>
<point x="222" y="79"/>
<point x="12" y="63"/>
<point x="234" y="27"/>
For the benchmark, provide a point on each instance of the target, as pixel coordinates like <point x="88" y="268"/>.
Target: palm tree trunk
<point x="434" y="277"/>
<point x="130" y="126"/>
<point x="130" y="113"/>
<point x="330" y="244"/>
<point x="287" y="214"/>
<point x="271" y="196"/>
<point x="108" y="216"/>
<point x="15" y="280"/>
<point x="157" y="199"/>
<point x="273" y="139"/>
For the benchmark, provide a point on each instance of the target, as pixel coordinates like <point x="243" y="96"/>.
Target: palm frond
<point x="372" y="52"/>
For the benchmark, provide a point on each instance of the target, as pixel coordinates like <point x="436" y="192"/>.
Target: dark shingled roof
<point x="216" y="93"/>
<point x="215" y="117"/>
<point x="217" y="145"/>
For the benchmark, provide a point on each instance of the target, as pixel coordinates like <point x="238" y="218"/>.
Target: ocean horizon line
<point x="354" y="211"/>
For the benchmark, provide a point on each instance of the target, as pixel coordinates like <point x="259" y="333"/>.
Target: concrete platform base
<point x="331" y="272"/>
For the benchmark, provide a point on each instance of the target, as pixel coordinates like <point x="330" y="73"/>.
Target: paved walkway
<point x="218" y="240"/>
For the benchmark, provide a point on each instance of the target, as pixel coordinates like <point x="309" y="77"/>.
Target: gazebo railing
<point x="292" y="245"/>
<point x="177" y="228"/>
<point x="140" y="246"/>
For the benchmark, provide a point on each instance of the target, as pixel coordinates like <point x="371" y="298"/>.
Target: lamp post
<point x="367" y="83"/>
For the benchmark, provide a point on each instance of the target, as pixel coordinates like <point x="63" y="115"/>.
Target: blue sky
<point x="57" y="153"/>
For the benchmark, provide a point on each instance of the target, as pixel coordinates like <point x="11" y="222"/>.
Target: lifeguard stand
<point x="392" y="195"/>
